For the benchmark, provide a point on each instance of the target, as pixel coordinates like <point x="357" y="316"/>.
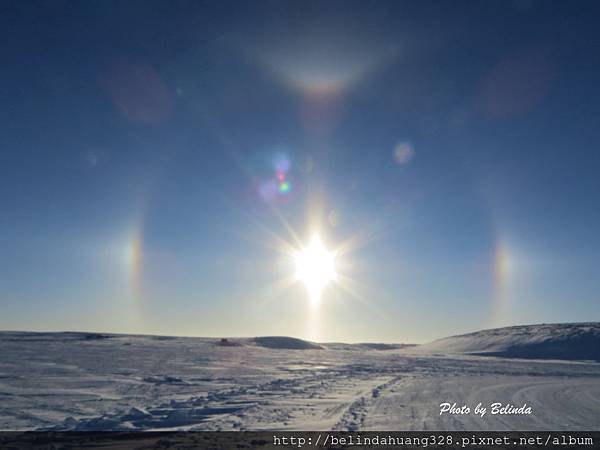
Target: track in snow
<point x="66" y="381"/>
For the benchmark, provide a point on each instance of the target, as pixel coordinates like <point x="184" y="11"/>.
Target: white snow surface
<point x="570" y="341"/>
<point x="86" y="381"/>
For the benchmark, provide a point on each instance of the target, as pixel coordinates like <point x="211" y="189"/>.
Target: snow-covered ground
<point x="570" y="341"/>
<point x="79" y="381"/>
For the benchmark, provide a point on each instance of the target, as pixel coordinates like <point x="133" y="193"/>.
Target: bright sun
<point x="315" y="267"/>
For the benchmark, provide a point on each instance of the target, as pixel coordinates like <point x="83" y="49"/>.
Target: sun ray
<point x="273" y="242"/>
<point x="364" y="238"/>
<point x="349" y="286"/>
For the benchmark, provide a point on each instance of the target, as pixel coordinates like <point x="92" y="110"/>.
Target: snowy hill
<point x="571" y="341"/>
<point x="380" y="346"/>
<point x="285" y="342"/>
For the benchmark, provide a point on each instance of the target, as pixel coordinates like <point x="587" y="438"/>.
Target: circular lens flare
<point x="284" y="187"/>
<point x="315" y="267"/>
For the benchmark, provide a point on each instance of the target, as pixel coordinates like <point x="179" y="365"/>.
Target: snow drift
<point x="284" y="342"/>
<point x="570" y="341"/>
<point x="380" y="346"/>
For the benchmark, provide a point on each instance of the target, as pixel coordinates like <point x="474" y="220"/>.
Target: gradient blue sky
<point x="454" y="144"/>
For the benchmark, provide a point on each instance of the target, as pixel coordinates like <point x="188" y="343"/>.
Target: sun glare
<point x="315" y="267"/>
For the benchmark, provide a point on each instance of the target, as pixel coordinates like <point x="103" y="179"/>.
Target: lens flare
<point x="284" y="187"/>
<point x="403" y="153"/>
<point x="276" y="186"/>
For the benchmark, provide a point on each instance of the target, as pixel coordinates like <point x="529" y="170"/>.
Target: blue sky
<point x="453" y="144"/>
